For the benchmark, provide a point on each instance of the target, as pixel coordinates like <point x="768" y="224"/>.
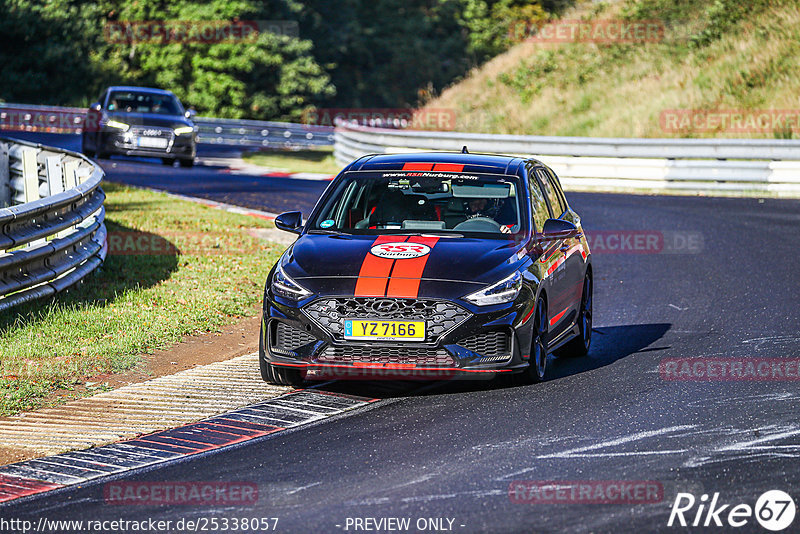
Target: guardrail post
<point x="70" y="180"/>
<point x="5" y="177"/>
<point x="30" y="174"/>
<point x="55" y="175"/>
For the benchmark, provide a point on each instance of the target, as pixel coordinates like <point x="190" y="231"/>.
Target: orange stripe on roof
<point x="417" y="166"/>
<point x="407" y="274"/>
<point x="374" y="274"/>
<point x="452" y="167"/>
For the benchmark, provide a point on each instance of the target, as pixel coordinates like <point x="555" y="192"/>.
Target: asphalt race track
<point x="725" y="286"/>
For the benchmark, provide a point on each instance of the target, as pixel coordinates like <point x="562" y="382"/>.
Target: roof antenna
<point x="464" y="150"/>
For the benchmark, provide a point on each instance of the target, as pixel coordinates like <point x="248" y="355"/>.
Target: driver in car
<point x="477" y="207"/>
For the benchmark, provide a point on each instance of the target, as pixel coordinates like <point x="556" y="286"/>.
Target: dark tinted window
<point x="136" y="102"/>
<point x="386" y="202"/>
<point x="551" y="192"/>
<point x="538" y="205"/>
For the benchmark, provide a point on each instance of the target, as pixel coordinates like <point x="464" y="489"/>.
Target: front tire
<point x="537" y="368"/>
<point x="86" y="152"/>
<point x="186" y="162"/>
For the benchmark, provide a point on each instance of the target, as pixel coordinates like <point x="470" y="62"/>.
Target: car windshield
<point x="479" y="205"/>
<point x="144" y="102"/>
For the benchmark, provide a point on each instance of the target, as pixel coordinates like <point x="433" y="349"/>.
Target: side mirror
<point x="558" y="229"/>
<point x="96" y="106"/>
<point x="190" y="114"/>
<point x="291" y="221"/>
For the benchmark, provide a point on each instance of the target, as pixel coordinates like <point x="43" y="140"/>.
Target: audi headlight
<point x="183" y="130"/>
<point x="285" y="287"/>
<point x="118" y="125"/>
<point x="506" y="290"/>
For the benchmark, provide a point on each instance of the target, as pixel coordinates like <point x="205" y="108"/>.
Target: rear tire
<point x="537" y="368"/>
<point x="579" y="347"/>
<point x="273" y="374"/>
<point x="186" y="162"/>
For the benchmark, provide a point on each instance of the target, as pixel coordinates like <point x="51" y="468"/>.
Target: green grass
<point x="137" y="302"/>
<point x="715" y="55"/>
<point x="319" y="160"/>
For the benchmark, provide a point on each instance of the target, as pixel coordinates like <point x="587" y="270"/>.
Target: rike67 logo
<point x="774" y="510"/>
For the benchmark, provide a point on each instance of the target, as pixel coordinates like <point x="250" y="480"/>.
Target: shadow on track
<point x="121" y="272"/>
<point x="609" y="344"/>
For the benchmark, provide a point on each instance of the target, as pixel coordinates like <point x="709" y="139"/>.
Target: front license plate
<point x="365" y="329"/>
<point x="152" y="142"/>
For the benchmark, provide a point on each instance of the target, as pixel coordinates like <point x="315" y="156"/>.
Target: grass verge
<point x="175" y="268"/>
<point x="714" y="56"/>
<point x="313" y="160"/>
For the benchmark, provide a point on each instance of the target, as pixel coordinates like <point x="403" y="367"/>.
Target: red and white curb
<point x="239" y="166"/>
<point x="298" y="408"/>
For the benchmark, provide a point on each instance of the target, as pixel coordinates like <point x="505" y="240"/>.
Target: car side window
<point x="539" y="209"/>
<point x="556" y="183"/>
<point x="552" y="195"/>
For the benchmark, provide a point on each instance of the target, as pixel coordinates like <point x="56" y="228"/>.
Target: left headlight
<point x="285" y="287"/>
<point x="118" y="125"/>
<point x="506" y="290"/>
<point x="183" y="130"/>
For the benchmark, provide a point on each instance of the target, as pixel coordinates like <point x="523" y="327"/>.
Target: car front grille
<point x="490" y="344"/>
<point x="290" y="339"/>
<point x="440" y="316"/>
<point x="378" y="354"/>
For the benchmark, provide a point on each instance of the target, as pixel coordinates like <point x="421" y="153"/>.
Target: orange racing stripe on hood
<point x="407" y="274"/>
<point x="375" y="271"/>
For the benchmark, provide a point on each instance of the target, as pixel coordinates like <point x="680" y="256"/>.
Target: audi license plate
<point x="152" y="142"/>
<point x="366" y="329"/>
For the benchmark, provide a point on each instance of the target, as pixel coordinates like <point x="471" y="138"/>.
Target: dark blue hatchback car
<point x="429" y="266"/>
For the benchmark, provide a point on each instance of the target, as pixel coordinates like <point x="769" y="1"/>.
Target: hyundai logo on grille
<point x="385" y="306"/>
<point x="151" y="132"/>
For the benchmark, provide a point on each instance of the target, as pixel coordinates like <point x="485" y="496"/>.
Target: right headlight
<point x="284" y="286"/>
<point x="506" y="290"/>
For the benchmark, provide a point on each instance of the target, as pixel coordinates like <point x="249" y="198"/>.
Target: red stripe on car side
<point x="555" y="319"/>
<point x="374" y="274"/>
<point x="407" y="274"/>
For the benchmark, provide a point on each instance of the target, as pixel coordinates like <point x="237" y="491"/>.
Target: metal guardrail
<point x="261" y="134"/>
<point x="615" y="164"/>
<point x="51" y="220"/>
<point x="211" y="131"/>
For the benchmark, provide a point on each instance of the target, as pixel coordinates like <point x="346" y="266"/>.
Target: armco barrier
<point x="51" y="220"/>
<point x="690" y="165"/>
<point x="210" y="131"/>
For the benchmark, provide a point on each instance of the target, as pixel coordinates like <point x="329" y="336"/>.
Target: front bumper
<point x="128" y="144"/>
<point x="468" y="343"/>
